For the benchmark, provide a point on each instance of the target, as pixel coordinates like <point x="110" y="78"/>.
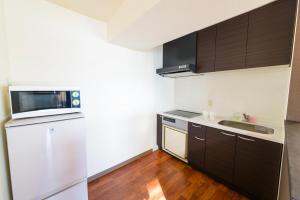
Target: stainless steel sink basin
<point x="247" y="127"/>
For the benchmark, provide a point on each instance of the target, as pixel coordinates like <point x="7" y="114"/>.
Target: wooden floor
<point x="158" y="176"/>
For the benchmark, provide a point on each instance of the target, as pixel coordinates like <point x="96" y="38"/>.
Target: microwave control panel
<point x="75" y="99"/>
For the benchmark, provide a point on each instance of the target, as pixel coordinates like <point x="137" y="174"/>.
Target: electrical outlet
<point x="7" y="81"/>
<point x="210" y="103"/>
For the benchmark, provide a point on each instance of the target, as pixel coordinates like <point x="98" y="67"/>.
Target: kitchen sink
<point x="247" y="127"/>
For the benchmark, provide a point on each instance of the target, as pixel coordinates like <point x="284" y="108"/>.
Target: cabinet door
<point x="206" y="49"/>
<point x="257" y="167"/>
<point x="159" y="131"/>
<point x="231" y="43"/>
<point x="196" y="145"/>
<point x="220" y="153"/>
<point x="270" y="34"/>
<point x="45" y="158"/>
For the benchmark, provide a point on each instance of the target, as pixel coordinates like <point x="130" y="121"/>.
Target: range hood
<point x="177" y="71"/>
<point x="179" y="57"/>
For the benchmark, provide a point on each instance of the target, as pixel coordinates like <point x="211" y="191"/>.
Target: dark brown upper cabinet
<point x="231" y="43"/>
<point x="257" y="167"/>
<point x="206" y="49"/>
<point x="260" y="38"/>
<point x="270" y="34"/>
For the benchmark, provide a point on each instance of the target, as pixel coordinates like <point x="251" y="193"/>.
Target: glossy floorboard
<point x="158" y="176"/>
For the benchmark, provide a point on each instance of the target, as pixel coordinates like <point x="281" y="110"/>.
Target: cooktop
<point x="183" y="113"/>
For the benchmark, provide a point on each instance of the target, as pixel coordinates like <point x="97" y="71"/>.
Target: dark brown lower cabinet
<point x="196" y="145"/>
<point x="249" y="164"/>
<point x="220" y="153"/>
<point x="159" y="131"/>
<point x="257" y="167"/>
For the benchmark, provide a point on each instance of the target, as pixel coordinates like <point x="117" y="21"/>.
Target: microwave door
<point x="26" y="101"/>
<point x="61" y="100"/>
<point x="35" y="103"/>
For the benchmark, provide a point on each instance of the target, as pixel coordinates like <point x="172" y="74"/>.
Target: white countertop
<point x="278" y="136"/>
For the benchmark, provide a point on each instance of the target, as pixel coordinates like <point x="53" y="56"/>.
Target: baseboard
<point x="109" y="170"/>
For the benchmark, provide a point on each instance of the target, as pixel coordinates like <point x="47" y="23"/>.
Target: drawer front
<point x="220" y="153"/>
<point x="257" y="167"/>
<point x="197" y="130"/>
<point x="196" y="145"/>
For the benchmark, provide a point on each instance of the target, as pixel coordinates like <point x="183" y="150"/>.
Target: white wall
<point x="3" y="63"/>
<point x="4" y="177"/>
<point x="148" y="23"/>
<point x="261" y="92"/>
<point x="49" y="45"/>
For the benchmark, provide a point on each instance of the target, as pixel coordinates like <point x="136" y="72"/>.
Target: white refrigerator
<point x="47" y="157"/>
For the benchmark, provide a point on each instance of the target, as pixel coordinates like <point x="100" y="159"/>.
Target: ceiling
<point x="98" y="9"/>
<point x="145" y="24"/>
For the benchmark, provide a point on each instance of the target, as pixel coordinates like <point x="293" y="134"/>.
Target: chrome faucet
<point x="246" y="117"/>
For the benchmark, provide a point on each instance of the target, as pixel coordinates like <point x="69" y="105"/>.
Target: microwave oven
<point x="29" y="102"/>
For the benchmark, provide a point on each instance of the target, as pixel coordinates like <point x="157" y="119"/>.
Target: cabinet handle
<point x="248" y="139"/>
<point x="197" y="138"/>
<point x="227" y="134"/>
<point x="196" y="126"/>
